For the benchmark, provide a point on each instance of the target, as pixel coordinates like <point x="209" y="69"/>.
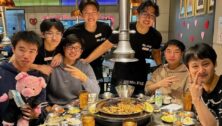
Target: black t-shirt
<point x="91" y="41"/>
<point x="135" y="73"/>
<point x="44" y="56"/>
<point x="213" y="100"/>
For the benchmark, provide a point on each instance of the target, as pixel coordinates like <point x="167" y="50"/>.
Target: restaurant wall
<point x="38" y="13"/>
<point x="162" y="22"/>
<point x="190" y="30"/>
<point x="217" y="44"/>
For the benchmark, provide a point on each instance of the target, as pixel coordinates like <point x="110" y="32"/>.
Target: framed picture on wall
<point x="200" y="7"/>
<point x="190" y="8"/>
<point x="210" y="6"/>
<point x="182" y="8"/>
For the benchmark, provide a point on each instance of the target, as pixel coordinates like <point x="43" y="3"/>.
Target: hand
<point x="45" y="69"/>
<point x="75" y="72"/>
<point x="29" y="113"/>
<point x="168" y="81"/>
<point x="56" y="61"/>
<point x="196" y="88"/>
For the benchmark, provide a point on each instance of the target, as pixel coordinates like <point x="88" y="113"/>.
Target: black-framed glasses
<point x="76" y="48"/>
<point x="51" y="34"/>
<point x="147" y="15"/>
<point x="90" y="14"/>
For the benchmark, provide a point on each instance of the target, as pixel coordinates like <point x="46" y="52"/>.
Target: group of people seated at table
<point x="57" y="58"/>
<point x="195" y="73"/>
<point x="192" y="70"/>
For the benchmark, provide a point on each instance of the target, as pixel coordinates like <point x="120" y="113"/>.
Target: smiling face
<point x="90" y="14"/>
<point x="53" y="36"/>
<point x="173" y="55"/>
<point x="203" y="68"/>
<point x="73" y="52"/>
<point x="25" y="54"/>
<point x="147" y="17"/>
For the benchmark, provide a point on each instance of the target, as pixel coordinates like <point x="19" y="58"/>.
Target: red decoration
<point x="206" y="24"/>
<point x="191" y="38"/>
<point x="184" y="24"/>
<point x="33" y="21"/>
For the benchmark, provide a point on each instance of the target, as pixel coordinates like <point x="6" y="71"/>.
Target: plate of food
<point x="188" y="121"/>
<point x="168" y="118"/>
<point x="148" y="107"/>
<point x="73" y="110"/>
<point x="186" y="114"/>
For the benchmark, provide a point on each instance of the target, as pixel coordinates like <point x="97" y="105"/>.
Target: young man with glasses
<point x="49" y="53"/>
<point x="72" y="76"/>
<point x="93" y="32"/>
<point x="145" y="42"/>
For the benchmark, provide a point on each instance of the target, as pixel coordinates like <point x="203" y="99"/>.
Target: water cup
<point x="93" y="97"/>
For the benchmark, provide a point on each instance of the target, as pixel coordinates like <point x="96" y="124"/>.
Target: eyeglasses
<point x="77" y="49"/>
<point x="147" y="15"/>
<point x="90" y="14"/>
<point x="51" y="34"/>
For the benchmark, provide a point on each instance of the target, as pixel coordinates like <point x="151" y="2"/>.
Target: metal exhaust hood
<point x="123" y="52"/>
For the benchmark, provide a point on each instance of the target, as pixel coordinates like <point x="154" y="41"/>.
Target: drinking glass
<point x="187" y="101"/>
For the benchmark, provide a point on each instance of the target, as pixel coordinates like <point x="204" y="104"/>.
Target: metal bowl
<point x="125" y="91"/>
<point x="107" y="95"/>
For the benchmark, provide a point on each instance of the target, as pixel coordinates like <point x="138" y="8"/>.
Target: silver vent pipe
<point x="123" y="52"/>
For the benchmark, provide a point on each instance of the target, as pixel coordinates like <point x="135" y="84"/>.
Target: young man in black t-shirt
<point x="93" y="32"/>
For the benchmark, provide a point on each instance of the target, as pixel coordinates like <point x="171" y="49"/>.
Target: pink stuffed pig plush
<point x="29" y="87"/>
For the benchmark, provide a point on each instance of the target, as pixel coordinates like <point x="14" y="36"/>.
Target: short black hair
<point x="175" y="42"/>
<point x="26" y="36"/>
<point x="146" y="4"/>
<point x="49" y="23"/>
<point x="72" y="39"/>
<point x="200" y="51"/>
<point x="83" y="4"/>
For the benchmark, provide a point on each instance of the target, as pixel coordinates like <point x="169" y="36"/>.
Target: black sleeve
<point x="108" y="31"/>
<point x="114" y="38"/>
<point x="12" y="112"/>
<point x="36" y="100"/>
<point x="42" y="96"/>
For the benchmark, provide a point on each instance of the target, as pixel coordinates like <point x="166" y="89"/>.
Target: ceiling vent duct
<point x="123" y="52"/>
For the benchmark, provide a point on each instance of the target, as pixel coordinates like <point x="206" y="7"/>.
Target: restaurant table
<point x="155" y="120"/>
